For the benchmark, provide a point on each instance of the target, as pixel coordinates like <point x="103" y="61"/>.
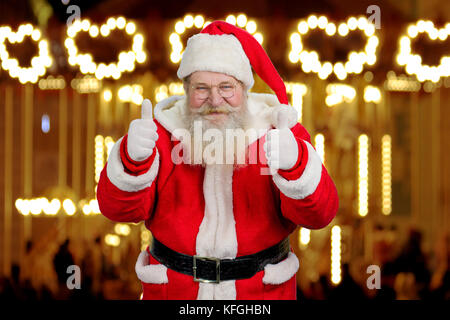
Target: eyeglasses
<point x="225" y="89"/>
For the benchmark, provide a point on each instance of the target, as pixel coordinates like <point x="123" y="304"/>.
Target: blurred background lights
<point x="122" y="229"/>
<point x="339" y="93"/>
<point x="297" y="91"/>
<point x="319" y="145"/>
<point x="199" y="22"/>
<point x="163" y="91"/>
<point x="109" y="144"/>
<point x="112" y="240"/>
<point x="372" y="94"/>
<point x="107" y="95"/>
<point x="386" y="175"/>
<point x="69" y="207"/>
<point x="52" y="83"/>
<point x="39" y="64"/>
<point x="45" y="123"/>
<point x="304" y="236"/>
<point x="336" y="276"/>
<point x="102" y="149"/>
<point x="309" y="60"/>
<point x="36" y="206"/>
<point x="99" y="156"/>
<point x="413" y="62"/>
<point x="131" y="93"/>
<point x="146" y="237"/>
<point x="126" y="59"/>
<point x="42" y="205"/>
<point x="363" y="175"/>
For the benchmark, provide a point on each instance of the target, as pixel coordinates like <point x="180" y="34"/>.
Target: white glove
<point x="281" y="147"/>
<point x="142" y="134"/>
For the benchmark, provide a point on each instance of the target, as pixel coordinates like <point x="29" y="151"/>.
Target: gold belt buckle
<point x="194" y="268"/>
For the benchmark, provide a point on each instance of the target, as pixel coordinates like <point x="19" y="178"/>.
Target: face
<point x="215" y="101"/>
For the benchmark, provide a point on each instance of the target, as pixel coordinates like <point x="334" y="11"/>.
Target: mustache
<point x="207" y="108"/>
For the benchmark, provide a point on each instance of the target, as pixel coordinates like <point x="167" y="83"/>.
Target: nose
<point x="215" y="98"/>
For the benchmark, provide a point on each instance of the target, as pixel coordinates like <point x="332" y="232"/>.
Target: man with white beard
<point x="220" y="227"/>
<point x="221" y="114"/>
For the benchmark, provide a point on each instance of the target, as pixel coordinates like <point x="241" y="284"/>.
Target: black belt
<point x="208" y="269"/>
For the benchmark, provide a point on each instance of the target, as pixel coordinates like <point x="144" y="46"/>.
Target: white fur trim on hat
<point x="216" y="53"/>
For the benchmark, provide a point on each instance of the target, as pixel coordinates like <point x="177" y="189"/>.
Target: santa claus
<point x="220" y="212"/>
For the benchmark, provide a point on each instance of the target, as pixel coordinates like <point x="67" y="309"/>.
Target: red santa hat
<point x="225" y="48"/>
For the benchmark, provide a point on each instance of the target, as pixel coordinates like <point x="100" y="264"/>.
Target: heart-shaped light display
<point x="39" y="63"/>
<point x="126" y="59"/>
<point x="189" y="22"/>
<point x="310" y="60"/>
<point x="413" y="62"/>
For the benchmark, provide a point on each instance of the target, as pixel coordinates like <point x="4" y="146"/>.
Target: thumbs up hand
<point x="281" y="148"/>
<point x="142" y="134"/>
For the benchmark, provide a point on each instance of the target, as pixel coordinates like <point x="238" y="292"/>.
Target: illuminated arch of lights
<point x="413" y="62"/>
<point x="39" y="63"/>
<point x="310" y="61"/>
<point x="199" y="22"/>
<point x="126" y="60"/>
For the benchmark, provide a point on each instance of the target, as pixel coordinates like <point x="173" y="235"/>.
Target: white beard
<point x="216" y="142"/>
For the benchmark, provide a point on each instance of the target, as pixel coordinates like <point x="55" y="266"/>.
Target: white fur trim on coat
<point x="171" y="113"/>
<point x="282" y="271"/>
<point x="217" y="233"/>
<point x="150" y="273"/>
<point x="124" y="181"/>
<point x="216" y="53"/>
<point x="307" y="183"/>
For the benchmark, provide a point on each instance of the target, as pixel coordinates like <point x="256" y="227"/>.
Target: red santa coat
<point x="215" y="210"/>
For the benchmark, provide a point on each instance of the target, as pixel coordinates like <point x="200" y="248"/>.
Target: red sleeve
<point x="318" y="209"/>
<point x="124" y="206"/>
<point x="315" y="211"/>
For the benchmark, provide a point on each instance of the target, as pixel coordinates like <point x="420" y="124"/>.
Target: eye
<point x="226" y="87"/>
<point x="201" y="88"/>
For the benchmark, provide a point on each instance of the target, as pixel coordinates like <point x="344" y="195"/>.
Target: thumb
<point x="283" y="119"/>
<point x="146" y="110"/>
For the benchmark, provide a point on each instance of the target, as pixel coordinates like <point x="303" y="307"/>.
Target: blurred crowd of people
<point x="408" y="275"/>
<point x="44" y="273"/>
